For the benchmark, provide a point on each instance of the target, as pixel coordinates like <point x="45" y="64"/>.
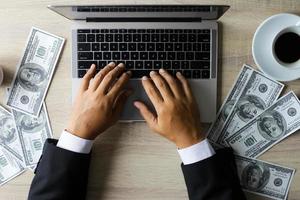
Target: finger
<point x="185" y="84"/>
<point x="149" y="117"/>
<point x="173" y="84"/>
<point x="87" y="77"/>
<point x="151" y="91"/>
<point x="120" y="84"/>
<point x="120" y="102"/>
<point x="110" y="78"/>
<point x="161" y="85"/>
<point x="101" y="74"/>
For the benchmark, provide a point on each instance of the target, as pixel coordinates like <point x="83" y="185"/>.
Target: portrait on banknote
<point x="8" y="132"/>
<point x="31" y="124"/>
<point x="227" y="109"/>
<point x="271" y="125"/>
<point x="32" y="77"/>
<point x="249" y="106"/>
<point x="255" y="176"/>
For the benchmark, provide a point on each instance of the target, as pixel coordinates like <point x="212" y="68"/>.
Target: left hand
<point x="99" y="102"/>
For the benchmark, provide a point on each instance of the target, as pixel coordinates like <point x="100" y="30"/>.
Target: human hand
<point x="177" y="117"/>
<point x="99" y="102"/>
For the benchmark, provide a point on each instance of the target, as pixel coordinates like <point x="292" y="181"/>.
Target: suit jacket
<point x="62" y="175"/>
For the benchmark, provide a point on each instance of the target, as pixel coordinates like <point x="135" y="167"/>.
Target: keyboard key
<point x="205" y="46"/>
<point x="164" y="38"/>
<point x="197" y="46"/>
<point x="150" y="47"/>
<point x="183" y="38"/>
<point x="157" y="64"/>
<point x="134" y="55"/>
<point x="100" y="38"/>
<point x="169" y="47"/>
<point x="116" y="56"/>
<point x="139" y="65"/>
<point x="91" y="38"/>
<point x="148" y="64"/>
<point x="127" y="38"/>
<point x="83" y="31"/>
<point x="108" y="37"/>
<point x="84" y="46"/>
<point x="200" y="65"/>
<point x="97" y="55"/>
<point x="196" y="74"/>
<point x="162" y="55"/>
<point x="132" y="46"/>
<point x="203" y="38"/>
<point x="189" y="55"/>
<point x="171" y="56"/>
<point x="155" y="38"/>
<point x="187" y="73"/>
<point x="185" y="65"/>
<point x="187" y="47"/>
<point x="160" y="47"/>
<point x="141" y="47"/>
<point x="166" y="64"/>
<point x="152" y="55"/>
<point x="81" y="38"/>
<point x="125" y="55"/>
<point x="102" y="64"/>
<point x="175" y="65"/>
<point x="136" y="38"/>
<point x="114" y="46"/>
<point x="118" y="38"/>
<point x="180" y="56"/>
<point x="81" y="73"/>
<point x="95" y="47"/>
<point x="192" y="38"/>
<point x="178" y="46"/>
<point x="85" y="64"/>
<point x="144" y="55"/>
<point x="205" y="74"/>
<point x="129" y="64"/>
<point x="107" y="55"/>
<point x="104" y="47"/>
<point x="123" y="46"/>
<point x="146" y="38"/>
<point x="85" y="56"/>
<point x="202" y="56"/>
<point x="173" y="37"/>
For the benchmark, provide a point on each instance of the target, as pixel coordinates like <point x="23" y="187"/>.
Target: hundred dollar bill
<point x="35" y="72"/>
<point x="33" y="132"/>
<point x="264" y="178"/>
<point x="259" y="93"/>
<point x="270" y="127"/>
<point x="227" y="107"/>
<point x="8" y="134"/>
<point x="9" y="166"/>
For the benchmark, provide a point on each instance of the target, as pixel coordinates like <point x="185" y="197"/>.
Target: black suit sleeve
<point x="214" y="178"/>
<point x="60" y="174"/>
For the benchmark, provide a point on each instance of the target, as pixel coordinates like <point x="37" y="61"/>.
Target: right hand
<point x="177" y="117"/>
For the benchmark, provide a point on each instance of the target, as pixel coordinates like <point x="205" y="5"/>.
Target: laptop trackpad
<point x="130" y="112"/>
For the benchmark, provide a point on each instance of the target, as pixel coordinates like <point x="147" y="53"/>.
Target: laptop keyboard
<point x="143" y="50"/>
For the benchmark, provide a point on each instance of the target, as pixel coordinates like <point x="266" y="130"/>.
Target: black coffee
<point x="287" y="47"/>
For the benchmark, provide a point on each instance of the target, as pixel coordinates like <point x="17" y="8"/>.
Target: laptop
<point x="148" y="37"/>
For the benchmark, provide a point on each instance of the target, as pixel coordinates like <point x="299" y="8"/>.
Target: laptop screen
<point x="201" y="12"/>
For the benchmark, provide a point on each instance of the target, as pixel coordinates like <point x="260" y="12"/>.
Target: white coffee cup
<point x="263" y="47"/>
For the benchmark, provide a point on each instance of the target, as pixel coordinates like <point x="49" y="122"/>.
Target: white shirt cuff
<point x="74" y="143"/>
<point x="196" y="152"/>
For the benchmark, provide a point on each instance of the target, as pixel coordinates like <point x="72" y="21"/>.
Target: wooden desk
<point x="131" y="162"/>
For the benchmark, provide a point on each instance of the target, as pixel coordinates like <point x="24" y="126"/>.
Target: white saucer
<point x="262" y="47"/>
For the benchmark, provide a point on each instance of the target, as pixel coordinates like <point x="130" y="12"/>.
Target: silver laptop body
<point x="196" y="17"/>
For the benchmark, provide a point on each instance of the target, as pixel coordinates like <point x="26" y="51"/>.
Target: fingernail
<point x="112" y="64"/>
<point x="129" y="72"/>
<point x="152" y="72"/>
<point x="93" y="66"/>
<point x="179" y="73"/>
<point x="144" y="78"/>
<point x="121" y="65"/>
<point x="136" y="104"/>
<point x="162" y="71"/>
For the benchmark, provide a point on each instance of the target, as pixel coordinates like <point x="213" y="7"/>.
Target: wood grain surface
<point x="129" y="161"/>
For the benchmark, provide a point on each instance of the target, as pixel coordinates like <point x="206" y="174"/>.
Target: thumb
<point x="146" y="113"/>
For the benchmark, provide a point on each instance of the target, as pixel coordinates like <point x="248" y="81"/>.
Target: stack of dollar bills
<point x="25" y="127"/>
<point x="252" y="120"/>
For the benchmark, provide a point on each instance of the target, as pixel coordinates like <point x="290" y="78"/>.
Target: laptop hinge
<point x="144" y="19"/>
